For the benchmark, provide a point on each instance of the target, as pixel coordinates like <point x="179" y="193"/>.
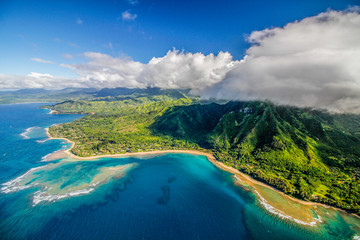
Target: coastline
<point x="53" y="112"/>
<point x="209" y="156"/>
<point x="239" y="179"/>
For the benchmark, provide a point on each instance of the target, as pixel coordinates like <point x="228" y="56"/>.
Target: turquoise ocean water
<point x="169" y="196"/>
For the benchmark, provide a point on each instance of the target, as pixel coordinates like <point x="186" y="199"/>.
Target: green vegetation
<point x="107" y="105"/>
<point x="308" y="154"/>
<point x="71" y="94"/>
<point x="119" y="126"/>
<point x="42" y="95"/>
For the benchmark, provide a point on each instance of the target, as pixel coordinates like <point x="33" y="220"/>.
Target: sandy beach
<point x="53" y="112"/>
<point x="209" y="156"/>
<point x="239" y="178"/>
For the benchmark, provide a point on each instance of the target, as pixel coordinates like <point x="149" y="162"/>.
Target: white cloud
<point x="133" y="2"/>
<point x="186" y="70"/>
<point x="79" y="21"/>
<point x="40" y="75"/>
<point x="105" y="71"/>
<point x="313" y="62"/>
<point x="128" y="16"/>
<point x="40" y="60"/>
<point x="37" y="80"/>
<point x="67" y="56"/>
<point x="174" y="70"/>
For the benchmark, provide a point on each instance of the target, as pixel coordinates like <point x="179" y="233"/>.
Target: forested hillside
<point x="309" y="154"/>
<point x="119" y="126"/>
<point x="117" y="103"/>
<point x="42" y="95"/>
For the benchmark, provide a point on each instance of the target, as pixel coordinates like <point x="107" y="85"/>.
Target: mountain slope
<point x="309" y="154"/>
<point x="313" y="155"/>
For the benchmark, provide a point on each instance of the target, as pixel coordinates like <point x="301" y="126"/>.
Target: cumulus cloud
<point x="313" y="62"/>
<point x="105" y="71"/>
<point x="175" y="70"/>
<point x="37" y="80"/>
<point x="40" y="60"/>
<point x="128" y="16"/>
<point x="186" y="70"/>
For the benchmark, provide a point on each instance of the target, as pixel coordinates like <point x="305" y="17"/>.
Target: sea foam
<point x="40" y="196"/>
<point x="49" y="157"/>
<point x="283" y="215"/>
<point x="280" y="213"/>
<point x="42" y="141"/>
<point x="28" y="131"/>
<point x="14" y="185"/>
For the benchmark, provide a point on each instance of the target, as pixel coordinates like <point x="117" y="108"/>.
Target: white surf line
<point x="40" y="196"/>
<point x="283" y="215"/>
<point x="13" y="185"/>
<point x="27" y="131"/>
<point x="280" y="213"/>
<point x="42" y="141"/>
<point x="46" y="157"/>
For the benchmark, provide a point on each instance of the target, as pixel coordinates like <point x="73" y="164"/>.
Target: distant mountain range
<point x="44" y="95"/>
<point x="45" y="91"/>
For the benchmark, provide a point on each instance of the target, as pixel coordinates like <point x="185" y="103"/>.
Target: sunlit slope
<point x="309" y="154"/>
<point x="114" y="127"/>
<point x="306" y="153"/>
<point x="108" y="101"/>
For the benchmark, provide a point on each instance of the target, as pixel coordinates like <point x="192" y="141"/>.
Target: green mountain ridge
<point x="306" y="153"/>
<point x="309" y="154"/>
<point x="73" y="94"/>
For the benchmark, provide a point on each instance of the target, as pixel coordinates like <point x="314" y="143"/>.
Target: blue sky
<point x="49" y="30"/>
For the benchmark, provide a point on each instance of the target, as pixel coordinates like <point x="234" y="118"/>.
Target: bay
<point x="164" y="196"/>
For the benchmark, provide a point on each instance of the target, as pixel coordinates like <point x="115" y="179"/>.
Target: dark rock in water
<point x="164" y="199"/>
<point x="172" y="179"/>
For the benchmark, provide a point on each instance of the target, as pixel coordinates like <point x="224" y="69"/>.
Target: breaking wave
<point x="64" y="179"/>
<point x="27" y="134"/>
<point x="283" y="215"/>
<point x="51" y="156"/>
<point x="41" y="196"/>
<point x="15" y="184"/>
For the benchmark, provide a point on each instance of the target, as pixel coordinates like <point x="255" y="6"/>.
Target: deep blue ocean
<point x="169" y="196"/>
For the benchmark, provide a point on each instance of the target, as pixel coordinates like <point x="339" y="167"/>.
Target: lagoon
<point x="163" y="196"/>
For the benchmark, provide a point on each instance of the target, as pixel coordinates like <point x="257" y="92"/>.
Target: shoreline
<point x="209" y="156"/>
<point x="238" y="176"/>
<point x="53" y="112"/>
